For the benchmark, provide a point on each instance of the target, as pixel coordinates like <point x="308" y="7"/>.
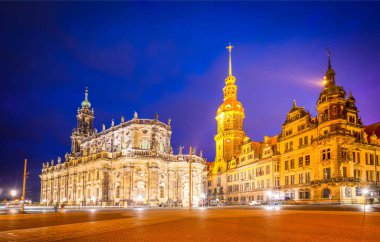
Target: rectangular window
<point x="301" y="178"/>
<point x="306" y="140"/>
<point x="291" y="145"/>
<point x="300" y="162"/>
<point x="371" y="159"/>
<point x="358" y="157"/>
<point x="277" y="181"/>
<point x="267" y="169"/>
<point x="326" y="154"/>
<point x="292" y="164"/>
<point x="358" y="191"/>
<point x="307" y="177"/>
<point x="277" y="166"/>
<point x="286" y="147"/>
<point x="366" y="158"/>
<point x="307" y="194"/>
<point x="344" y="171"/>
<point x="268" y="184"/>
<point x="300" y="142"/>
<point x="307" y="160"/>
<point x="354" y="157"/>
<point x="286" y="165"/>
<point x="377" y="160"/>
<point x="292" y="179"/>
<point x="327" y="173"/>
<point x="286" y="180"/>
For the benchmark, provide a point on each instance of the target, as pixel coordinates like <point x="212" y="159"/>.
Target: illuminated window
<point x="145" y="145"/>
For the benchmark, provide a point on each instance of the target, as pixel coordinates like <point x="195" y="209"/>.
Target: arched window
<point x="326" y="193"/>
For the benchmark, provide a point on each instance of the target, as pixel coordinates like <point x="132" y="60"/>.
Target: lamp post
<point x="269" y="196"/>
<point x="203" y="199"/>
<point x="365" y="192"/>
<point x="13" y="194"/>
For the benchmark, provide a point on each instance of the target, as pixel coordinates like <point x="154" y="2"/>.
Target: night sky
<point x="170" y="58"/>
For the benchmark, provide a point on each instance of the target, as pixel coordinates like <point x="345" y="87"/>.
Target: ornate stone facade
<point x="331" y="157"/>
<point x="131" y="163"/>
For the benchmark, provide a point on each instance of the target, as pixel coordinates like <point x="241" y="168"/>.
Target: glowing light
<point x="92" y="210"/>
<point x="324" y="82"/>
<point x="365" y="191"/>
<point x="203" y="195"/>
<point x="140" y="198"/>
<point x="13" y="193"/>
<point x="93" y="198"/>
<point x="269" y="193"/>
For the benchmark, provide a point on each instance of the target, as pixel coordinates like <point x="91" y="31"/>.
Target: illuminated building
<point x="128" y="164"/>
<point x="331" y="157"/>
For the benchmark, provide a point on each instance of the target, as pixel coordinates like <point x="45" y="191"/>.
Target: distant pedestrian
<point x="56" y="205"/>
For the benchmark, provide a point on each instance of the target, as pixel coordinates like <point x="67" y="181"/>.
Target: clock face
<point x="228" y="140"/>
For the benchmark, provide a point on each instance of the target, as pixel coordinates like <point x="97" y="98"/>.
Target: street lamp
<point x="269" y="195"/>
<point x="13" y="194"/>
<point x="365" y="192"/>
<point x="203" y="199"/>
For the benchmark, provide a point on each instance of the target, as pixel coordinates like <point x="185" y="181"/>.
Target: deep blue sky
<point x="170" y="58"/>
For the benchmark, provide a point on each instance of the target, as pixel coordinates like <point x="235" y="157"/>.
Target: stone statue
<point x="201" y="154"/>
<point x="47" y="163"/>
<point x="180" y="150"/>
<point x="194" y="149"/>
<point x="122" y="119"/>
<point x="112" y="123"/>
<point x="52" y="162"/>
<point x="135" y="115"/>
<point x="59" y="160"/>
<point x="169" y="122"/>
<point x="156" y="116"/>
<point x="103" y="127"/>
<point x="66" y="157"/>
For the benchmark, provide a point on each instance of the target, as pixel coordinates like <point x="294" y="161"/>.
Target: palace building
<point x="131" y="163"/>
<point x="331" y="157"/>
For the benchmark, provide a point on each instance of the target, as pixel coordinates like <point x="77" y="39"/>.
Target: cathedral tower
<point x="85" y="122"/>
<point x="229" y="117"/>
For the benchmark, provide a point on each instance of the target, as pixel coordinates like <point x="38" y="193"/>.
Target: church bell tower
<point x="229" y="118"/>
<point x="85" y="123"/>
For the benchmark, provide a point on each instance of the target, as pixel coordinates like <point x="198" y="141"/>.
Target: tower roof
<point x="86" y="103"/>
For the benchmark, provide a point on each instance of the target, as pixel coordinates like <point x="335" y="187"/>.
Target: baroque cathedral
<point x="332" y="157"/>
<point x="128" y="164"/>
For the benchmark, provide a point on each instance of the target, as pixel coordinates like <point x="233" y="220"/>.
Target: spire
<point x="294" y="103"/>
<point x="229" y="47"/>
<point x="230" y="80"/>
<point x="330" y="73"/>
<point x="328" y="56"/>
<point x="86" y="103"/>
